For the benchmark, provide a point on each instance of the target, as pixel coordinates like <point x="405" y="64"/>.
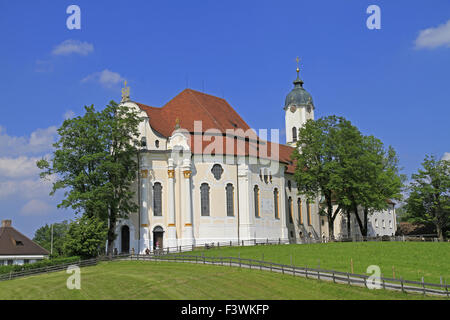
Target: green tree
<point x="86" y="237"/>
<point x="317" y="165"/>
<point x="348" y="169"/>
<point x="95" y="163"/>
<point x="371" y="176"/>
<point x="429" y="198"/>
<point x="43" y="237"/>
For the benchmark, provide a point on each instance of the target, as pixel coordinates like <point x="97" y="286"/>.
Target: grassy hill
<point x="411" y="260"/>
<point x="170" y="280"/>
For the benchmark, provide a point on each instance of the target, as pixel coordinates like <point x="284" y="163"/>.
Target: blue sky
<point x="392" y="83"/>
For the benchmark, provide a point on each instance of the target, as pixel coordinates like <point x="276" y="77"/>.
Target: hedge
<point x="38" y="264"/>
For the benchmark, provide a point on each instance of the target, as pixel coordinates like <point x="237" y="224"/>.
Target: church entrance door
<point x="158" y="235"/>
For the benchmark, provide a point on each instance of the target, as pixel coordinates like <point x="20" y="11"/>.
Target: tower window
<point x="294" y="134"/>
<point x="157" y="143"/>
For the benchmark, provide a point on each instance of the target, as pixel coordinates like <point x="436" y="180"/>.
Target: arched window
<point x="308" y="211"/>
<point x="276" y="203"/>
<point x="157" y="199"/>
<point x="157" y="143"/>
<point x="256" y="200"/>
<point x="230" y="200"/>
<point x="290" y="210"/>
<point x="294" y="134"/>
<point x="144" y="143"/>
<point x="204" y="198"/>
<point x="217" y="171"/>
<point x="299" y="206"/>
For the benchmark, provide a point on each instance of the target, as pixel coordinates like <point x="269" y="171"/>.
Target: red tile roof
<point x="12" y="242"/>
<point x="214" y="113"/>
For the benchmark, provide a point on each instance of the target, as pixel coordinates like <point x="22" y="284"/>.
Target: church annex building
<point x="205" y="176"/>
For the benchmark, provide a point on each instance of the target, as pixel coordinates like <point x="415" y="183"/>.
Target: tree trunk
<point x="111" y="233"/>
<point x="349" y="233"/>
<point x="362" y="224"/>
<point x="440" y="232"/>
<point x="366" y="214"/>
<point x="330" y="217"/>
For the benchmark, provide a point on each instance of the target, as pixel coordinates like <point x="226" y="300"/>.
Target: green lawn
<point x="170" y="280"/>
<point x="411" y="260"/>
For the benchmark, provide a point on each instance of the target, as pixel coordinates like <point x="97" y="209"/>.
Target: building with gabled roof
<point x="206" y="176"/>
<point x="16" y="248"/>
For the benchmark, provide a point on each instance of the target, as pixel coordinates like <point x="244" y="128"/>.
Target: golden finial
<point x="125" y="92"/>
<point x="177" y="123"/>
<point x="298" y="69"/>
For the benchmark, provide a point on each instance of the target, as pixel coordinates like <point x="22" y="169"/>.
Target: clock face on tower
<point x="293" y="108"/>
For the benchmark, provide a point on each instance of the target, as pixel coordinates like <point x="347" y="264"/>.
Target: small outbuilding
<point x="16" y="248"/>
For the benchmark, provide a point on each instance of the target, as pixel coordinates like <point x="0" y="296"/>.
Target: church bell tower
<point x="298" y="108"/>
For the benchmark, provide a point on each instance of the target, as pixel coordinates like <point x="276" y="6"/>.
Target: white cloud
<point x="434" y="37"/>
<point x="446" y="156"/>
<point x="25" y="188"/>
<point x="40" y="141"/>
<point x="73" y="46"/>
<point x="22" y="166"/>
<point x="106" y="78"/>
<point x="36" y="207"/>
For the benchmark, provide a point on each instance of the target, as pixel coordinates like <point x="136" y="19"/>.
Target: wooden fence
<point x="313" y="273"/>
<point x="36" y="271"/>
<point x="166" y="254"/>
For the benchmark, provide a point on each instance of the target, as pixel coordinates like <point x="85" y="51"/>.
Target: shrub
<point x="38" y="264"/>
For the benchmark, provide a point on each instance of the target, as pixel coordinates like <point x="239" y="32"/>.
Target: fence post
<point x="306" y="271"/>
<point x="446" y="288"/>
<point x="423" y="285"/>
<point x="279" y="240"/>
<point x="382" y="279"/>
<point x="401" y="281"/>
<point x="192" y="247"/>
<point x="218" y="244"/>
<point x="348" y="278"/>
<point x="231" y="244"/>
<point x="282" y="269"/>
<point x="242" y="242"/>
<point x="260" y="266"/>
<point x="334" y="279"/>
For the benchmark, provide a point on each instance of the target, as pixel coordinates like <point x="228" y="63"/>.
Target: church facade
<point x="206" y="176"/>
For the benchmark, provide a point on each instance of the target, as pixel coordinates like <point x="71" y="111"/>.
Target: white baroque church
<point x="205" y="176"/>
